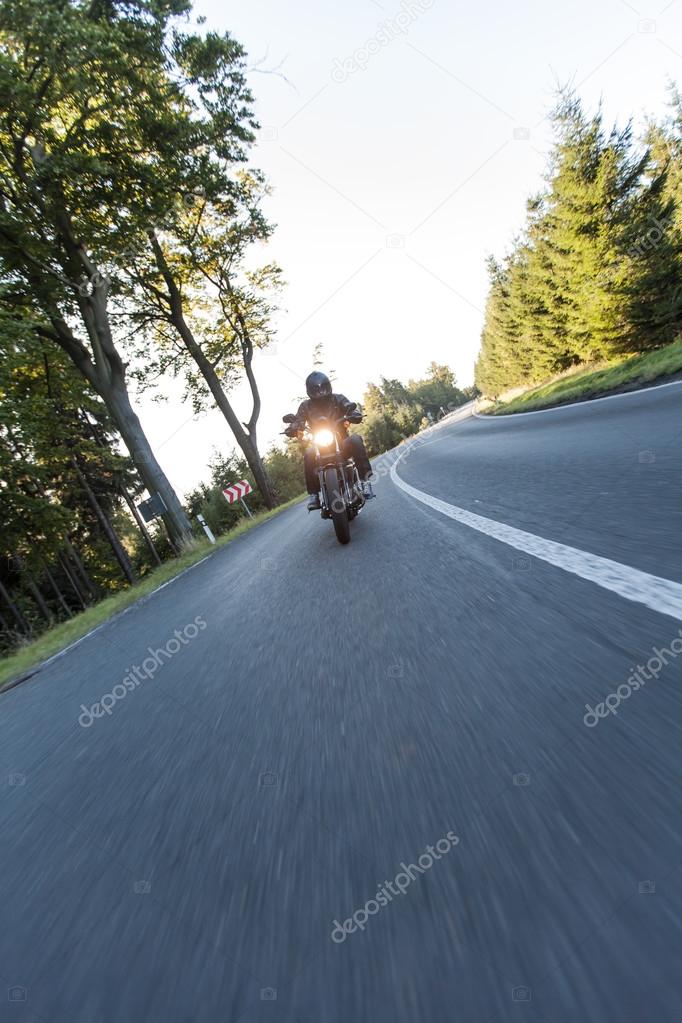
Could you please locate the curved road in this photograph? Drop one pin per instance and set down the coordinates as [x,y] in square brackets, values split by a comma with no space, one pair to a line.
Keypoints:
[325,714]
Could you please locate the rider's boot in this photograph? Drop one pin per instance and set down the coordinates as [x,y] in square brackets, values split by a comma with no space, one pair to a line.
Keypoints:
[314,503]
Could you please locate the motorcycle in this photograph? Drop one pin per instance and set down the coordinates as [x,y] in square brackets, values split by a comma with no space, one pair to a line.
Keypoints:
[342,493]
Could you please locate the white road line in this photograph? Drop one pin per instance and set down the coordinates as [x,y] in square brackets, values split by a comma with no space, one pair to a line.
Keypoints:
[659,594]
[574,404]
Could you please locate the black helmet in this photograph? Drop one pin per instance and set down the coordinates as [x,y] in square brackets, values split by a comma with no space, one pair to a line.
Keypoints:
[318,384]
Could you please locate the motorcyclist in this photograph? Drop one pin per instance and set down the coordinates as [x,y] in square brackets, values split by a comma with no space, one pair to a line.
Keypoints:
[323,404]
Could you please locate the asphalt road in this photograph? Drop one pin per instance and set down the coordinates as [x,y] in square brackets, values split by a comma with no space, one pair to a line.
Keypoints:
[327,713]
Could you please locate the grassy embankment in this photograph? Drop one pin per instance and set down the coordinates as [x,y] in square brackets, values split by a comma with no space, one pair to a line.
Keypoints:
[22,660]
[629,373]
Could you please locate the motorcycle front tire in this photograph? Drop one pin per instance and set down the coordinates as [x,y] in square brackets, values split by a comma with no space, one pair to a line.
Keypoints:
[337,506]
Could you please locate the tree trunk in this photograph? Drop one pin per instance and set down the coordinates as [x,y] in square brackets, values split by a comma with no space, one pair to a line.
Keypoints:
[117,547]
[28,581]
[89,587]
[105,370]
[246,440]
[57,592]
[91,590]
[153,476]
[255,462]
[66,569]
[40,601]
[112,390]
[23,624]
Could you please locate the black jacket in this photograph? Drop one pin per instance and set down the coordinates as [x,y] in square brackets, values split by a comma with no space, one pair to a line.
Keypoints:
[329,406]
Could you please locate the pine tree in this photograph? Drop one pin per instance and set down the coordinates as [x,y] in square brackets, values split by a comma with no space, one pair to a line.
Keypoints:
[595,272]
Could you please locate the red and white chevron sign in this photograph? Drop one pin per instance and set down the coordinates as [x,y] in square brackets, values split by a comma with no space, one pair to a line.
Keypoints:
[237,491]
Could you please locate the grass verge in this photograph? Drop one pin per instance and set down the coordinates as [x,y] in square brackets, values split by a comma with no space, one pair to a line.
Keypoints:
[21,661]
[627,374]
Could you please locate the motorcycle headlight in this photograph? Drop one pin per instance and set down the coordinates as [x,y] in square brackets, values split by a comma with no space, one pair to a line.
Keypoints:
[324,438]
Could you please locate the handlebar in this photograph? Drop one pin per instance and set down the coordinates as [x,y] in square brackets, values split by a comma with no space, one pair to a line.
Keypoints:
[324,421]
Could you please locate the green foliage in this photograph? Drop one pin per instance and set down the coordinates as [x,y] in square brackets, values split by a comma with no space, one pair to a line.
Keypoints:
[625,373]
[594,273]
[284,467]
[395,410]
[121,129]
[56,440]
[125,211]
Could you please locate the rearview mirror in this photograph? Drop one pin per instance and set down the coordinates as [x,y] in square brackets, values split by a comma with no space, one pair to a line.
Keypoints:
[289,418]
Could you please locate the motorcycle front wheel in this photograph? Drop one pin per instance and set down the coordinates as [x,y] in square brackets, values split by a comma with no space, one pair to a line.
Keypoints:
[337,506]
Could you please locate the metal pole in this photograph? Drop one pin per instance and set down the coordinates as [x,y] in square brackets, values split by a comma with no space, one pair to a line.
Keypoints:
[141,526]
[248,510]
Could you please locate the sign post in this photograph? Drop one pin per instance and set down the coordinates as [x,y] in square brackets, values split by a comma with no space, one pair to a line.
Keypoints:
[152,508]
[237,492]
[206,528]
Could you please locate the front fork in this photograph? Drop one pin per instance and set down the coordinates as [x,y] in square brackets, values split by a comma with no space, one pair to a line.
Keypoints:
[354,496]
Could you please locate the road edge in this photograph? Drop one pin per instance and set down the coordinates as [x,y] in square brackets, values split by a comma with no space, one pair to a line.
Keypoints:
[31,670]
[574,404]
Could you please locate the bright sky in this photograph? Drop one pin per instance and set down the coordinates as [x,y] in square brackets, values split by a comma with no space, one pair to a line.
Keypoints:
[401,149]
